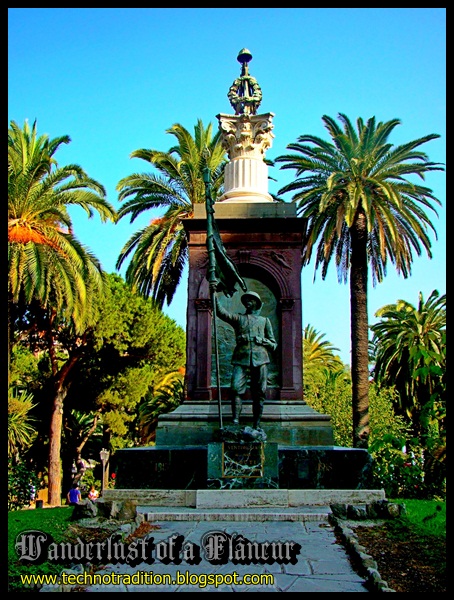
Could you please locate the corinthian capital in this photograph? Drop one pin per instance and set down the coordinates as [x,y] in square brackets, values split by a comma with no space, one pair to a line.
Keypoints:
[246,135]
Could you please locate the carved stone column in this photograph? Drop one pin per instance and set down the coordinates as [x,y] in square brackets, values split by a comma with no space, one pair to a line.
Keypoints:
[246,138]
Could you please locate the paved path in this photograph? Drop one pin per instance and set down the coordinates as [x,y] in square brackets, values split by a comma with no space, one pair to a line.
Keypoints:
[322,565]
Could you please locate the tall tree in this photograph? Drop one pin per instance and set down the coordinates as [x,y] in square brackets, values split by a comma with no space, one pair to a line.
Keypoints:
[46,262]
[109,370]
[362,208]
[158,252]
[164,397]
[410,353]
[47,265]
[129,350]
[319,359]
[317,351]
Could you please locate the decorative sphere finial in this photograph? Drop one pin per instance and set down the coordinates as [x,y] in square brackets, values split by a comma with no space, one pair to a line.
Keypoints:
[244,56]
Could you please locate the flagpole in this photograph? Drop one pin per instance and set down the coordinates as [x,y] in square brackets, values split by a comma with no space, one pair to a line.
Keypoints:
[212,280]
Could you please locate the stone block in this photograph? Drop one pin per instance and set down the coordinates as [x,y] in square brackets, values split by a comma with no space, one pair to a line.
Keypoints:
[324,467]
[333,497]
[86,509]
[242,498]
[166,467]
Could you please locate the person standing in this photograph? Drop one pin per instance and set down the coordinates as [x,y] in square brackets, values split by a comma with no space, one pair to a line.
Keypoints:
[254,338]
[74,496]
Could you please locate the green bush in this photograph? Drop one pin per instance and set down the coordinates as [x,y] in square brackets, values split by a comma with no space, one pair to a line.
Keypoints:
[401,475]
[20,482]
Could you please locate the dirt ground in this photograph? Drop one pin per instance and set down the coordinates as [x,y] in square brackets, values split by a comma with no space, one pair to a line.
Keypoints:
[403,564]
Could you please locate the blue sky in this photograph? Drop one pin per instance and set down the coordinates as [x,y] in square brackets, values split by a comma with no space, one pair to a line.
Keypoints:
[115,79]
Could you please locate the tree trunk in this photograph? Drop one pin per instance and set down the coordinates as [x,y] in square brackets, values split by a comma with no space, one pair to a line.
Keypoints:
[359,332]
[61,387]
[54,466]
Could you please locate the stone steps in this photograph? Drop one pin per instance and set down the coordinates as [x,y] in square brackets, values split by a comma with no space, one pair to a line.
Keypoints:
[245,504]
[304,514]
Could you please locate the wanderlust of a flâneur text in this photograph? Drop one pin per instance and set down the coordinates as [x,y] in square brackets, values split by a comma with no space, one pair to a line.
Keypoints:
[217,548]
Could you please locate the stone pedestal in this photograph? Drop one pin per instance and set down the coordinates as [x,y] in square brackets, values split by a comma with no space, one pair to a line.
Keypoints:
[264,242]
[285,422]
[203,467]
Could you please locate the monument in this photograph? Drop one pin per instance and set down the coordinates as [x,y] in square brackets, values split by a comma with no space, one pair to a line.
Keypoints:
[274,439]
[264,240]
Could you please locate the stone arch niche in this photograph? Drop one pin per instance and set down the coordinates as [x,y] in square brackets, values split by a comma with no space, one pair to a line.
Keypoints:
[270,263]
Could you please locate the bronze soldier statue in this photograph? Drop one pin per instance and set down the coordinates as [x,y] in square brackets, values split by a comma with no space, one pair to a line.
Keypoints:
[254,337]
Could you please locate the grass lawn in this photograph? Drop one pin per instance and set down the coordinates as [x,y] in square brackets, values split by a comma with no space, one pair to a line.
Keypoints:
[428,517]
[54,521]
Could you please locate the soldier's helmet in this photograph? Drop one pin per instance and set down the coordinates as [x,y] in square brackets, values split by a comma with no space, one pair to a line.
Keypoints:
[254,295]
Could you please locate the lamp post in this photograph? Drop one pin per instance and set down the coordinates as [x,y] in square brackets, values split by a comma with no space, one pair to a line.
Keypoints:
[104,454]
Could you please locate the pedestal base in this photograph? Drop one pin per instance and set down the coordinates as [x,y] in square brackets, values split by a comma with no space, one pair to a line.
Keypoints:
[286,422]
[284,467]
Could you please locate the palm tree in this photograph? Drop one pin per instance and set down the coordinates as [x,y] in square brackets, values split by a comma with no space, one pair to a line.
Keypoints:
[47,266]
[21,430]
[410,352]
[316,350]
[159,252]
[166,396]
[45,261]
[319,358]
[361,207]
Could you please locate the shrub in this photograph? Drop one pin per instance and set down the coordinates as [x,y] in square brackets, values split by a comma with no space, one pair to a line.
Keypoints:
[20,482]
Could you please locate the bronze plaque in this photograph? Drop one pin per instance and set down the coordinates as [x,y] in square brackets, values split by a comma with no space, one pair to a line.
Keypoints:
[242,460]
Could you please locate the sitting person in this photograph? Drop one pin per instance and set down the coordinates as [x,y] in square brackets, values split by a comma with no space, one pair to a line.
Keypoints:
[93,493]
[74,496]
